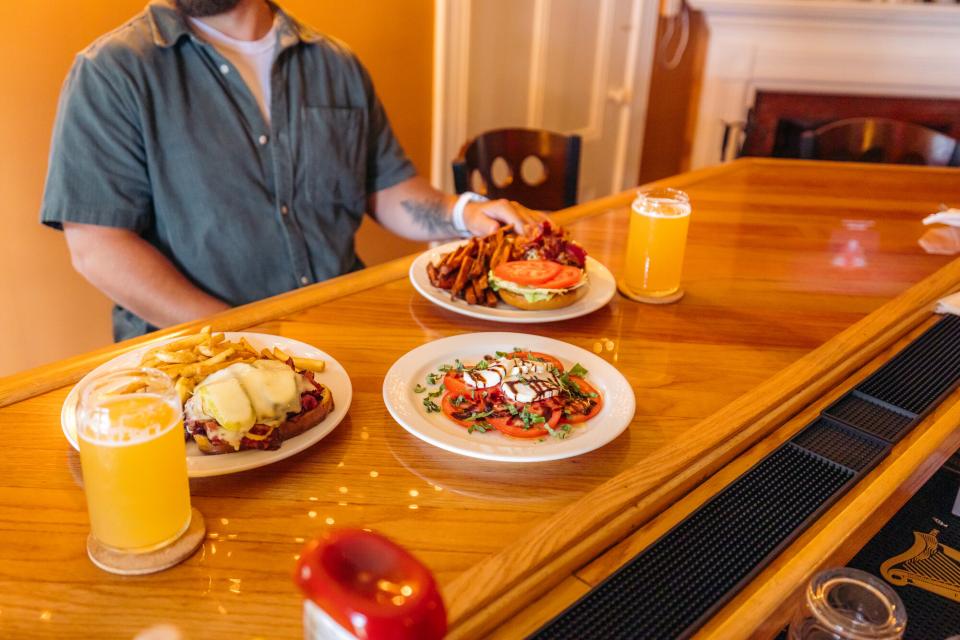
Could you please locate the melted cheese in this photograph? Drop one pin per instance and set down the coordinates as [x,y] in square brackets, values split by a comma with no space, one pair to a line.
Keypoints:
[242,395]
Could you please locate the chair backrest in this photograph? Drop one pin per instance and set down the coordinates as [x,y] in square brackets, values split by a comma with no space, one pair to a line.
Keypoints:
[879,140]
[538,169]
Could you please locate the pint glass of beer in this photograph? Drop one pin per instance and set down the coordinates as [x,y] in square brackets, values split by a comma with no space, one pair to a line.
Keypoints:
[658,236]
[130,429]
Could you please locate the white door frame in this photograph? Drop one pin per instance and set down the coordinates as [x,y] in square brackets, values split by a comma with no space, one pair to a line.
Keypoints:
[451,63]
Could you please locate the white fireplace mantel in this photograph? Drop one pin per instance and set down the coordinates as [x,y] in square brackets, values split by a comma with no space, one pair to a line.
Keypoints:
[820,46]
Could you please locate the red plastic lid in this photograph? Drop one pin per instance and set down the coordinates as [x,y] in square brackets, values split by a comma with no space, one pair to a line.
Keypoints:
[371,586]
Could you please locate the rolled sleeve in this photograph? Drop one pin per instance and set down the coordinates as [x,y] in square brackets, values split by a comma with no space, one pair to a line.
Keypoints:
[387,163]
[97,172]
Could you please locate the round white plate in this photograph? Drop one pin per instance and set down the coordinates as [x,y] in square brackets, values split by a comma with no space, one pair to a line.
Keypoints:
[407,408]
[200,465]
[601,286]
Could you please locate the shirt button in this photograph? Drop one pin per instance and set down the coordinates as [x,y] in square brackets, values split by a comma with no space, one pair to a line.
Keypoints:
[224,69]
[262,140]
[304,280]
[284,210]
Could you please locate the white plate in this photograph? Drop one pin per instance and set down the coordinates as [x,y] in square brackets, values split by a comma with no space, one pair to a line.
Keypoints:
[601,286]
[200,465]
[406,407]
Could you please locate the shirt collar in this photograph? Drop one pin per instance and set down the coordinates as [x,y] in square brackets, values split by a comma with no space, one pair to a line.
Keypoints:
[169,26]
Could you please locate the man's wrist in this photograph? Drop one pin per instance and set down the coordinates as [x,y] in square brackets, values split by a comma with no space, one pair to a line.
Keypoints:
[457,218]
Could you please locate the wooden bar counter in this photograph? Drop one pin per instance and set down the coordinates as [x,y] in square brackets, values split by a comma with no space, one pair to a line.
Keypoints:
[798,277]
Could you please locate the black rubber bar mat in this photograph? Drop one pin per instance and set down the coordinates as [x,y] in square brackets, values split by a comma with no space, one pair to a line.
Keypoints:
[673,586]
[670,588]
[920,376]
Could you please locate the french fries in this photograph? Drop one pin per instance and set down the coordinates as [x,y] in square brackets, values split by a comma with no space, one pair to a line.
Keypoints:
[463,271]
[190,359]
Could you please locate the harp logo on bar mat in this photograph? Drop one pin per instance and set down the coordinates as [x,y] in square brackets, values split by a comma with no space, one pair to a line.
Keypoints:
[929,565]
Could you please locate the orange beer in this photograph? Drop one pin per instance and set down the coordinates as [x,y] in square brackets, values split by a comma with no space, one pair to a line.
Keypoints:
[658,236]
[133,457]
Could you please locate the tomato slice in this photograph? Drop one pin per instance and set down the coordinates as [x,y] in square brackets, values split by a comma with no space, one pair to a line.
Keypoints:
[528,355]
[455,384]
[576,410]
[527,272]
[459,412]
[512,425]
[567,277]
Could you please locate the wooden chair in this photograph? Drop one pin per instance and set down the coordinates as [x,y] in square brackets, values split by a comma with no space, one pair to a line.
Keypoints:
[880,140]
[538,169]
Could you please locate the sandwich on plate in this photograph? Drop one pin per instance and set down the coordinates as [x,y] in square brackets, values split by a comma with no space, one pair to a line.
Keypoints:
[538,285]
[254,405]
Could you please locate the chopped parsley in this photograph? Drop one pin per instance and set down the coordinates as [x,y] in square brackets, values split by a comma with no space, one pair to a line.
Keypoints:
[530,419]
[561,432]
[482,427]
[512,408]
[572,388]
[430,406]
[435,394]
[444,368]
[474,415]
[419,388]
[432,378]
[457,401]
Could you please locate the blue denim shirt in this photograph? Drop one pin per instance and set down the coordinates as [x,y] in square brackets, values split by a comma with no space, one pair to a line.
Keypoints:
[157,132]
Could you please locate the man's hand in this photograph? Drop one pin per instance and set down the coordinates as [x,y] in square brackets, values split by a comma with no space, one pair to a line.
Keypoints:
[415,210]
[482,218]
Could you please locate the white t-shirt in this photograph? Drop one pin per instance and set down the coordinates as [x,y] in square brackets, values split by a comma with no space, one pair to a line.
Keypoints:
[252,58]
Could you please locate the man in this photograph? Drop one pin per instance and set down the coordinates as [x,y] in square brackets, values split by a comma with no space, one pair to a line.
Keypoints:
[210,153]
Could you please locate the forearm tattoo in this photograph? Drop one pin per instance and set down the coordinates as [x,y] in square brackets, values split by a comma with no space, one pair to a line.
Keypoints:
[430,214]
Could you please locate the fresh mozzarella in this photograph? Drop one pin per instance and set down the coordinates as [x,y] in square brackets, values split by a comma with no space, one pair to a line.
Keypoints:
[521,367]
[531,388]
[484,378]
[495,372]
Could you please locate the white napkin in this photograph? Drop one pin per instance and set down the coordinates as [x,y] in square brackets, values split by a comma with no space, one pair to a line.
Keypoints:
[942,240]
[949,304]
[945,216]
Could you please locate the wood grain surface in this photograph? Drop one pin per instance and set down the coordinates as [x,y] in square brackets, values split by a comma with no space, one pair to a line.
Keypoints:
[783,256]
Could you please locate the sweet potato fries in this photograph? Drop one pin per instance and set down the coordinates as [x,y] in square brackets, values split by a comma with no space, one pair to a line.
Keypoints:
[463,272]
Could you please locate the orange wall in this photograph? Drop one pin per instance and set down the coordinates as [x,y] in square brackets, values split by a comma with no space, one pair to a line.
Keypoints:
[47,311]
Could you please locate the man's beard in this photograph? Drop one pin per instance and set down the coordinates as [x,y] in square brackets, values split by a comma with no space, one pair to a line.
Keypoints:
[202,8]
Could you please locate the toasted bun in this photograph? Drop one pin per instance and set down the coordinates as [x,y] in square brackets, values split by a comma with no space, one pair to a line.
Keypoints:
[294,426]
[308,419]
[557,301]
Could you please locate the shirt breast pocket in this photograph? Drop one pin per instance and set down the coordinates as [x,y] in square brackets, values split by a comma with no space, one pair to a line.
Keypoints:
[335,141]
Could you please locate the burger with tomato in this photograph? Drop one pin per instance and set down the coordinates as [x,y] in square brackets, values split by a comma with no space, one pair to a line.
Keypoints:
[548,271]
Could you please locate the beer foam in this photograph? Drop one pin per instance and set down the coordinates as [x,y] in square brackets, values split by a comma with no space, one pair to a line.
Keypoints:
[683,210]
[123,427]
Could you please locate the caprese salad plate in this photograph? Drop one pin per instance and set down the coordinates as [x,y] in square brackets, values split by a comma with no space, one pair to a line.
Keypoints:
[509,397]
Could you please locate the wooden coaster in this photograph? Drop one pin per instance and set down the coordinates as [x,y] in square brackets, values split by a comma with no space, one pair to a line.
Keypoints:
[673,297]
[136,564]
